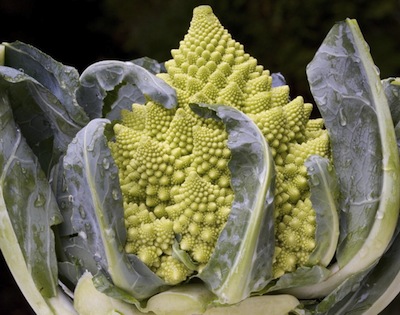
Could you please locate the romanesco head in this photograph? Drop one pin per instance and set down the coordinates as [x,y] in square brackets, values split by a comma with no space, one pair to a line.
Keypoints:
[175,183]
[173,165]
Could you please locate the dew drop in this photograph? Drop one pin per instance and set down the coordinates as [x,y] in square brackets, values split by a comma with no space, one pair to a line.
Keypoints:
[363,252]
[345,208]
[97,257]
[64,186]
[82,212]
[366,45]
[39,201]
[378,86]
[115,194]
[314,180]
[379,215]
[347,163]
[90,147]
[377,71]
[82,234]
[67,167]
[70,198]
[342,118]
[63,85]
[106,164]
[110,234]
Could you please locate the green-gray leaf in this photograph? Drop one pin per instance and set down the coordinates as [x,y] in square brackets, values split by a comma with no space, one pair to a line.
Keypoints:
[392,92]
[324,193]
[302,276]
[62,81]
[351,99]
[153,66]
[43,120]
[95,198]
[348,106]
[381,285]
[242,260]
[29,204]
[109,86]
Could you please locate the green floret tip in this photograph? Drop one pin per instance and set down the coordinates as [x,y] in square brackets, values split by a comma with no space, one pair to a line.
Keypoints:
[173,164]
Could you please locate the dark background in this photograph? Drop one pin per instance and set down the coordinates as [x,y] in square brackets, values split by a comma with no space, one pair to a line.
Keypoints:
[283,35]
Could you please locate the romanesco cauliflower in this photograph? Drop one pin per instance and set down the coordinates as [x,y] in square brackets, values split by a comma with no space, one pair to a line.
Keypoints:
[173,165]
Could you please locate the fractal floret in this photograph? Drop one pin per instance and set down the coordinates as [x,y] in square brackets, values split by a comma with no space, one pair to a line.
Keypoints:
[173,164]
[176,184]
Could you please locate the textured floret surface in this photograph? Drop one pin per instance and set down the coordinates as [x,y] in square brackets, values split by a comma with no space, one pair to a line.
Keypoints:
[173,164]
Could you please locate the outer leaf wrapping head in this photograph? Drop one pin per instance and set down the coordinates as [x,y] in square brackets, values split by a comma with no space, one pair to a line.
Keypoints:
[211,67]
[241,262]
[349,93]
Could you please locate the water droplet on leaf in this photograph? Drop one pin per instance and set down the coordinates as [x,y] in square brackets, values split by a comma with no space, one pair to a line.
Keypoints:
[377,71]
[342,118]
[110,234]
[82,234]
[314,180]
[106,163]
[97,257]
[82,212]
[379,215]
[90,147]
[39,201]
[115,194]
[378,86]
